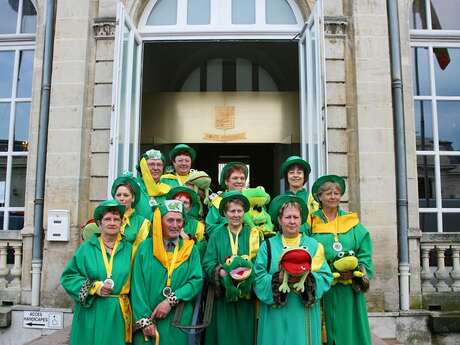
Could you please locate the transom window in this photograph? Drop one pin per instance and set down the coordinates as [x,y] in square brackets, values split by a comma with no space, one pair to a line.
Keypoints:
[205,16]
[435,41]
[17,47]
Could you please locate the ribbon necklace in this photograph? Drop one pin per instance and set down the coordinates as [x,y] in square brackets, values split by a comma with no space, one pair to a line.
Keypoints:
[108,264]
[170,269]
[234,243]
[337,246]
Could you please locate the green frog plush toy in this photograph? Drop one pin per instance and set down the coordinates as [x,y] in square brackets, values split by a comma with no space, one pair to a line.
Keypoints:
[239,278]
[346,270]
[257,216]
[294,262]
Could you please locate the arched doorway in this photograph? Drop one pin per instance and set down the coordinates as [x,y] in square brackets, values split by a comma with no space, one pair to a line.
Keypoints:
[229,77]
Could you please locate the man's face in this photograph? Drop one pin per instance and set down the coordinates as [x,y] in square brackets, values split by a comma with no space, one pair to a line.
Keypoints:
[156,168]
[172,223]
[182,164]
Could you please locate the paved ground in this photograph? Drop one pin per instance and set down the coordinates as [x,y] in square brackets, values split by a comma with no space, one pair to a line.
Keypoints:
[62,338]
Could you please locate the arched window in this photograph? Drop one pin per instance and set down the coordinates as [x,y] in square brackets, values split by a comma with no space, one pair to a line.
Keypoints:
[17,46]
[435,44]
[188,17]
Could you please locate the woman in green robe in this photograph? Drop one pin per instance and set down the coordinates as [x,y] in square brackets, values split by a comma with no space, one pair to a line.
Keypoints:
[290,317]
[295,171]
[166,271]
[348,250]
[97,278]
[193,228]
[232,177]
[134,226]
[232,322]
[181,157]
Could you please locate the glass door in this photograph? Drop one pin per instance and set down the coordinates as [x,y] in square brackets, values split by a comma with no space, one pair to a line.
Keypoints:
[124,136]
[312,93]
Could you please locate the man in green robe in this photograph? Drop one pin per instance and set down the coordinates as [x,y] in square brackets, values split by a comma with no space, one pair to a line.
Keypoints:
[232,322]
[345,308]
[182,156]
[166,272]
[153,191]
[100,318]
[291,318]
[193,228]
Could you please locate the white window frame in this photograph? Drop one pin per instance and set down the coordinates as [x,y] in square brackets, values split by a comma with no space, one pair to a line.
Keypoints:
[313,105]
[16,43]
[122,20]
[430,39]
[220,26]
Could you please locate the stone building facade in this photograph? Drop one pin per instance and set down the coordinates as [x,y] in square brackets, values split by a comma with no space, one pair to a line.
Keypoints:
[352,108]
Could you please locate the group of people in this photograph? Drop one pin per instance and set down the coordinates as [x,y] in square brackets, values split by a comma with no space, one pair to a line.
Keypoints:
[163,237]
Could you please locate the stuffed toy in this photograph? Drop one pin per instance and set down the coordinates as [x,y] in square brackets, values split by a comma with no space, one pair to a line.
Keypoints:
[294,262]
[257,216]
[347,263]
[200,182]
[239,278]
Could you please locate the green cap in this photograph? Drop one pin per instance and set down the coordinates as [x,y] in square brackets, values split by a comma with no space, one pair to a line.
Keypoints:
[327,178]
[278,202]
[150,154]
[182,148]
[106,204]
[171,206]
[225,170]
[295,160]
[230,196]
[195,203]
[127,178]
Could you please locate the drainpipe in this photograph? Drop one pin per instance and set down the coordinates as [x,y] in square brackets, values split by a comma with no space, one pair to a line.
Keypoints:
[400,153]
[41,151]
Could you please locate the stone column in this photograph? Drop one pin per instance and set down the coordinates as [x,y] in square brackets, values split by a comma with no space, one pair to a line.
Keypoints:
[3,267]
[455,273]
[441,273]
[16,270]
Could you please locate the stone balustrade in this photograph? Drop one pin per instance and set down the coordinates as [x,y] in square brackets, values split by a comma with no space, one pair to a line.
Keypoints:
[10,268]
[440,260]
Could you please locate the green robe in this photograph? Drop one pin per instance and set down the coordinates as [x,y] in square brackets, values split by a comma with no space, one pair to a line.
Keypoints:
[148,280]
[144,207]
[345,310]
[171,179]
[190,228]
[213,219]
[136,222]
[96,320]
[232,323]
[292,323]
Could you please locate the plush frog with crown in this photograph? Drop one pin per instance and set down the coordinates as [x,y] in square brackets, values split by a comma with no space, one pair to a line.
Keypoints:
[239,278]
[257,216]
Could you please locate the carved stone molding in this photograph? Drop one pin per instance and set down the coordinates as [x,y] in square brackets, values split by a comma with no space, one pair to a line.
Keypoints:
[335,26]
[104,28]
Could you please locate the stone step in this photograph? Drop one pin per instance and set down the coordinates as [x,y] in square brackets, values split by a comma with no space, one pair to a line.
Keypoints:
[379,341]
[60,337]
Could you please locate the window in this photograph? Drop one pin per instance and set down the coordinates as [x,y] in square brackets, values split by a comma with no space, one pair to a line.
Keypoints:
[17,45]
[436,67]
[196,17]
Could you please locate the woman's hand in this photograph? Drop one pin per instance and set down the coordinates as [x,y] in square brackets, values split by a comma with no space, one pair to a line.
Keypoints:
[161,310]
[222,273]
[149,331]
[106,290]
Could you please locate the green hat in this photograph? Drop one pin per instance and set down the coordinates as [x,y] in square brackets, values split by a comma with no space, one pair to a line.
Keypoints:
[127,178]
[295,160]
[280,200]
[232,195]
[106,204]
[182,148]
[327,178]
[195,203]
[225,170]
[171,206]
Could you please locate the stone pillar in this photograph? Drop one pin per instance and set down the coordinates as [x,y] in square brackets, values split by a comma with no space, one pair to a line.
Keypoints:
[426,273]
[16,270]
[441,273]
[67,170]
[371,157]
[455,273]
[3,267]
